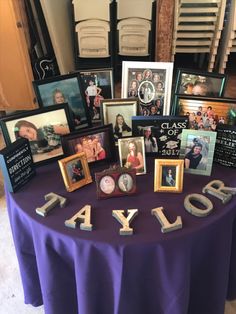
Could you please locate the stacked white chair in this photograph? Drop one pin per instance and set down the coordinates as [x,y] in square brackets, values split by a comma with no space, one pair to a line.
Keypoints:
[228,42]
[197,28]
[93,27]
[134,26]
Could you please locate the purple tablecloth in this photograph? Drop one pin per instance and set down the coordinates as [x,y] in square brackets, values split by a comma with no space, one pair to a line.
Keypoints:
[192,270]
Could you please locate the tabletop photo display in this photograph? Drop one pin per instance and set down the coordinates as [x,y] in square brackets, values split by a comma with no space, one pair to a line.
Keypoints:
[97,84]
[119,112]
[168,175]
[97,143]
[43,128]
[205,113]
[64,89]
[225,148]
[132,153]
[197,150]
[162,134]
[151,82]
[75,171]
[200,83]
[113,182]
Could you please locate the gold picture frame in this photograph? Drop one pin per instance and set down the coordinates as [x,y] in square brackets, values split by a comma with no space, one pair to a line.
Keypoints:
[75,171]
[168,175]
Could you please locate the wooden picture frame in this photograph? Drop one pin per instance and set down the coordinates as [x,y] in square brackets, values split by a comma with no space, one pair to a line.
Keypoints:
[168,175]
[205,113]
[197,150]
[162,134]
[200,83]
[132,154]
[97,143]
[225,147]
[119,113]
[114,182]
[43,128]
[75,171]
[151,82]
[104,80]
[64,89]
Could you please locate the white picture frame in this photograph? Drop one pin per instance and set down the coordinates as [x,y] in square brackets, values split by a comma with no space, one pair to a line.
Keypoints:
[150,82]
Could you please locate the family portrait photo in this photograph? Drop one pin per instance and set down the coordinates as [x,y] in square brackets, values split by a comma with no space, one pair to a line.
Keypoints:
[97,85]
[64,89]
[150,82]
[42,127]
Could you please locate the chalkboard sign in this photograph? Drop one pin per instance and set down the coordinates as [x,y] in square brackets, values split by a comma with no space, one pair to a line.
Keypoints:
[17,164]
[225,147]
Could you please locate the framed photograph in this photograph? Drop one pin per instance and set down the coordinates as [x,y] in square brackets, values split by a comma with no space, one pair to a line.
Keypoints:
[225,148]
[162,134]
[168,175]
[119,112]
[64,89]
[200,83]
[75,171]
[42,127]
[197,150]
[151,83]
[97,84]
[206,113]
[97,143]
[113,182]
[132,154]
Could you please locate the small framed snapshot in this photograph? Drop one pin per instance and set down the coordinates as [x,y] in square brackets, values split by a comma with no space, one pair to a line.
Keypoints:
[113,182]
[197,150]
[64,89]
[162,134]
[225,148]
[151,83]
[168,175]
[97,84]
[17,165]
[132,154]
[75,171]
[42,127]
[200,83]
[206,113]
[118,112]
[97,143]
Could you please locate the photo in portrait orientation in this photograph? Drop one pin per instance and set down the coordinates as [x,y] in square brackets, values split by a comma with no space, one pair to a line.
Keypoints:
[102,83]
[162,135]
[197,150]
[97,143]
[75,171]
[64,89]
[205,113]
[119,112]
[42,127]
[168,175]
[200,83]
[132,153]
[151,83]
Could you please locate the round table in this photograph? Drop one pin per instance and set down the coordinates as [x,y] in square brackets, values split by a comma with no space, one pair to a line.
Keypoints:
[187,271]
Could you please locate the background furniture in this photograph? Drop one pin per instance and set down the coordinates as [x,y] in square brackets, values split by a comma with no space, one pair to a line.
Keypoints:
[191,270]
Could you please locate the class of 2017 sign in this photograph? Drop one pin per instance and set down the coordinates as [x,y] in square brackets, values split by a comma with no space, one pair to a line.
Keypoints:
[162,134]
[17,164]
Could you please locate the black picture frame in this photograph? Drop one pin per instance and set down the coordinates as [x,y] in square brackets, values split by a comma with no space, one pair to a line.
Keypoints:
[64,89]
[221,111]
[104,80]
[225,147]
[87,141]
[45,145]
[199,83]
[162,134]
